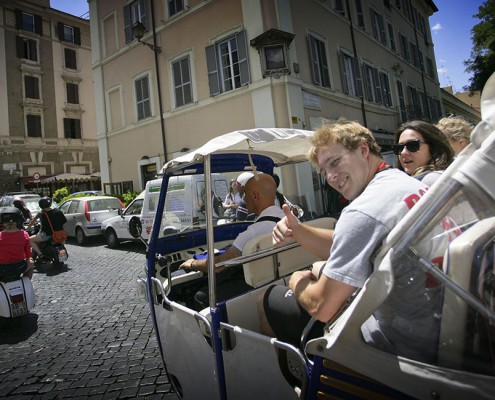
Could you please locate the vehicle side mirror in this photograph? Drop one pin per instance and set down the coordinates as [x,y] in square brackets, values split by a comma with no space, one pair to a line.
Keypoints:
[135,227]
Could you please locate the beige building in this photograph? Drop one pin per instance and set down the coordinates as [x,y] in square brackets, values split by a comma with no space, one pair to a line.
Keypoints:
[462,104]
[207,67]
[47,98]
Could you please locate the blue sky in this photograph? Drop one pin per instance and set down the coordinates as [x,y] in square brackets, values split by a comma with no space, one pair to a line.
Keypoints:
[451,31]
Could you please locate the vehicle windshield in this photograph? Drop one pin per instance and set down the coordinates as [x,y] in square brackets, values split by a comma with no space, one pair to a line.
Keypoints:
[444,287]
[185,203]
[110,203]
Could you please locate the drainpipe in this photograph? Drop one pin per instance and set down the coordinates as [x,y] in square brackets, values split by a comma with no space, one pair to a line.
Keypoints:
[160,104]
[354,49]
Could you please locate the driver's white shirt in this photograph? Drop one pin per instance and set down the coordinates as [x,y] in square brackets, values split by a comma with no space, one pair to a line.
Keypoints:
[258,228]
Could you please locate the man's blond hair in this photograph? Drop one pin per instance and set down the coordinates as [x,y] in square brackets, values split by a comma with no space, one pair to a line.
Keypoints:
[349,134]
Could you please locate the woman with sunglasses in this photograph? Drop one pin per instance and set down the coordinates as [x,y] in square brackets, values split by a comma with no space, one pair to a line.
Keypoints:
[423,150]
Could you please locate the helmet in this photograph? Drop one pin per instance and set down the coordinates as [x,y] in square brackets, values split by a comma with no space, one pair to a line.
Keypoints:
[45,202]
[11,214]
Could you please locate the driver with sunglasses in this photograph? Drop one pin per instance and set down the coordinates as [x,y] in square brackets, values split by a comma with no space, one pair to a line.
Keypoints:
[423,151]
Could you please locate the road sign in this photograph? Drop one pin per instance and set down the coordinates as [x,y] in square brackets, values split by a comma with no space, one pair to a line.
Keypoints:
[36,177]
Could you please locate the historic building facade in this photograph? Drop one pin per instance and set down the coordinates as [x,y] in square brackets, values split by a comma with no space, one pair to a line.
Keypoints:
[170,75]
[48,113]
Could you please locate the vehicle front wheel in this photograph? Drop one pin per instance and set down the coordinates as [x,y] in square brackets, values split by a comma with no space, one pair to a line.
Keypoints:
[112,239]
[80,236]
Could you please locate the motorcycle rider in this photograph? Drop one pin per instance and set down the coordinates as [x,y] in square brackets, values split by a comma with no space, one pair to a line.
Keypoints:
[14,242]
[20,205]
[57,219]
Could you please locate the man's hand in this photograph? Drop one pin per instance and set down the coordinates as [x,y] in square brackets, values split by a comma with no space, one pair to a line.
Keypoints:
[187,264]
[301,278]
[283,231]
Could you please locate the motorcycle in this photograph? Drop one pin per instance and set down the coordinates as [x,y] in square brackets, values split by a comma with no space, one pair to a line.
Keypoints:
[17,296]
[52,254]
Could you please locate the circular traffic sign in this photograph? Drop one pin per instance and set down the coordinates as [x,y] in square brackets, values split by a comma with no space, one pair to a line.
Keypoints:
[36,176]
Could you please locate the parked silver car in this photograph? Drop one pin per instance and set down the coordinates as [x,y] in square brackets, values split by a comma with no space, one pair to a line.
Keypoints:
[85,215]
[29,199]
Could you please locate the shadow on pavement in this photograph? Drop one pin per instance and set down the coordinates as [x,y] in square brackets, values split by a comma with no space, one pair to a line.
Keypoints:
[19,329]
[136,247]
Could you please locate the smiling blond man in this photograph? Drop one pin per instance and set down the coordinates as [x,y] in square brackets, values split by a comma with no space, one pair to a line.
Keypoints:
[347,155]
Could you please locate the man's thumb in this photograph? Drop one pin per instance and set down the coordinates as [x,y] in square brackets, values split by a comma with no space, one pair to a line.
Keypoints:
[287,211]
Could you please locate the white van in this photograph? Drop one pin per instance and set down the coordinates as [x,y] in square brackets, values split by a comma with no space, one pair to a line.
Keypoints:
[183,208]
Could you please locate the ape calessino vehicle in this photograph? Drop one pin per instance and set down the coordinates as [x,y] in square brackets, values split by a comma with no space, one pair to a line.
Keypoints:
[448,236]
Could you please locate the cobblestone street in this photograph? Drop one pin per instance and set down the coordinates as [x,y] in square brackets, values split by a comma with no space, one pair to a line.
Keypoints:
[89,336]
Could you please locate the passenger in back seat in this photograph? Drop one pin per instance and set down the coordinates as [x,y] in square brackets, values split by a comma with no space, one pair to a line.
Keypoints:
[260,199]
[348,156]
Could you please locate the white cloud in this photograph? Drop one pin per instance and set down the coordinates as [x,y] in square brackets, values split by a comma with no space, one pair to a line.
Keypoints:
[436,27]
[442,70]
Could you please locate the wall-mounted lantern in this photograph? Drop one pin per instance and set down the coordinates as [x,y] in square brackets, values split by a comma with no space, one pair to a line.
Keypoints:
[272,47]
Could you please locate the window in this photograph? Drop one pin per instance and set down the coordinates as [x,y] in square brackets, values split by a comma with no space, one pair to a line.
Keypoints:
[143,101]
[33,125]
[319,63]
[391,36]
[402,102]
[351,75]
[227,64]
[338,6]
[359,14]
[31,87]
[27,48]
[386,93]
[429,66]
[378,26]
[72,128]
[182,81]
[373,90]
[414,101]
[70,59]
[72,93]
[175,6]
[404,47]
[415,55]
[134,12]
[28,22]
[68,33]
[423,104]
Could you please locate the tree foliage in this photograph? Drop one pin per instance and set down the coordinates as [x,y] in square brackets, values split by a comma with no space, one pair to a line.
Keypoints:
[482,59]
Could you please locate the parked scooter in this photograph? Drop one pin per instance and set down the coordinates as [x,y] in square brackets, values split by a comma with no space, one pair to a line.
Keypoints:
[16,291]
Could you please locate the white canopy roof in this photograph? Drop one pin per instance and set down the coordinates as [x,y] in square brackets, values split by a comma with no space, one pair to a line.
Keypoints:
[282,145]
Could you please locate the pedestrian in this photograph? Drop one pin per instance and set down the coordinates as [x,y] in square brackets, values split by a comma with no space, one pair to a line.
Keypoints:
[232,200]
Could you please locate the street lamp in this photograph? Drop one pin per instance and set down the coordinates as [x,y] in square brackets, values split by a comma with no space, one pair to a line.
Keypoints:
[138,30]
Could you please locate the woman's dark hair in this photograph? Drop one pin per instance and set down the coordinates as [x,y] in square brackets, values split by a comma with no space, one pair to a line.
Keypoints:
[440,151]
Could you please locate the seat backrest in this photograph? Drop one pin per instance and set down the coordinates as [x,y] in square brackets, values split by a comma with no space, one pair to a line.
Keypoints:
[269,268]
[463,262]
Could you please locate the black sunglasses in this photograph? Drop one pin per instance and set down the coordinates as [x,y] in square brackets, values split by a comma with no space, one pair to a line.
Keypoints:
[412,146]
